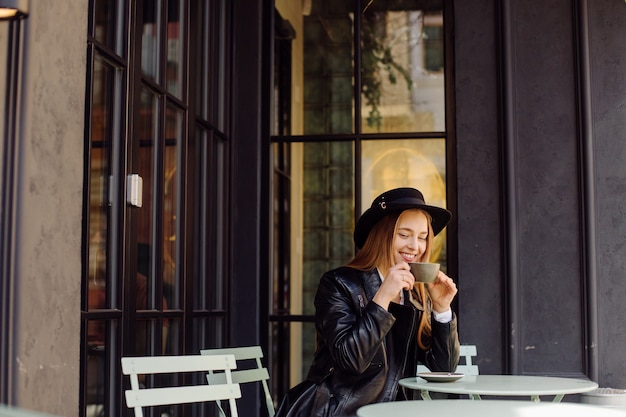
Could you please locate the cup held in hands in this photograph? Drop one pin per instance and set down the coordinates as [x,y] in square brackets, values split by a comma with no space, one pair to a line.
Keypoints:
[424,271]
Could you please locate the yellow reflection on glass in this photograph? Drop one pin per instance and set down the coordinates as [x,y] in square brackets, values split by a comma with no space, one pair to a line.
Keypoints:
[417,163]
[403,79]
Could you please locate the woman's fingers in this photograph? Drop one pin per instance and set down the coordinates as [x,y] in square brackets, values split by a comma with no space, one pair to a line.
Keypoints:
[443,290]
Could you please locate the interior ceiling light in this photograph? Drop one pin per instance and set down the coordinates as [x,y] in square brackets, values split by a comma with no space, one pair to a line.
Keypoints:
[13,9]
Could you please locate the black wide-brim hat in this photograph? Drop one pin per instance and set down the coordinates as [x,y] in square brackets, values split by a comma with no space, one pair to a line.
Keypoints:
[398,199]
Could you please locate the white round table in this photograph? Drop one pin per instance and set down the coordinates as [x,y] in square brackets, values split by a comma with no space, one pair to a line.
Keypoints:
[503,385]
[485,408]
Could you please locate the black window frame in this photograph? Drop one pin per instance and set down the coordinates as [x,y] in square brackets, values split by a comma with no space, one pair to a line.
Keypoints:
[196,197]
[280,141]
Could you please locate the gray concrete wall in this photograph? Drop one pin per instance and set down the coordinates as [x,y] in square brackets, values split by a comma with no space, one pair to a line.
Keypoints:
[49,208]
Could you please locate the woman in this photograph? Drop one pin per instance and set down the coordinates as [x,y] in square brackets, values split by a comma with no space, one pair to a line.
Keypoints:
[373,321]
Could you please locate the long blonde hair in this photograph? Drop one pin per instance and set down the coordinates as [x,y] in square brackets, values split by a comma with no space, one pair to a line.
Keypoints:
[377,252]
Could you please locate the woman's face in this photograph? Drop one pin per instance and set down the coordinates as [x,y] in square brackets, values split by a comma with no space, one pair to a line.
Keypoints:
[409,242]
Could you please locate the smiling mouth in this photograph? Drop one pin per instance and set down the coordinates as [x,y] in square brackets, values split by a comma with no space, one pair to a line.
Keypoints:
[408,256]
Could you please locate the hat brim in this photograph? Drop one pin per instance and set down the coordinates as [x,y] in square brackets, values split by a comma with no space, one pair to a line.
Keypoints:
[440,218]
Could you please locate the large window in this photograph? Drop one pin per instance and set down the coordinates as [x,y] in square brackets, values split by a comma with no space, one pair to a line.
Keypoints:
[155,272]
[369,89]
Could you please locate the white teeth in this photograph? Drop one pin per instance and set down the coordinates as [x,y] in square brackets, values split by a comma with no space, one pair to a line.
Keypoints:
[408,256]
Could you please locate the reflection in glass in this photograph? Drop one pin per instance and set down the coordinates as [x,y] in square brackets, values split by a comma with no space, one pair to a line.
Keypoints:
[402,78]
[282,238]
[328,68]
[100,352]
[201,60]
[418,163]
[175,35]
[151,336]
[170,329]
[328,210]
[210,197]
[150,39]
[210,55]
[327,197]
[106,28]
[217,219]
[146,169]
[294,345]
[95,369]
[99,176]
[208,332]
[201,260]
[173,136]
[402,67]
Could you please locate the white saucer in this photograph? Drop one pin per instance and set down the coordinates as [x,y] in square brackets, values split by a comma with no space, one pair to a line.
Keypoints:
[440,376]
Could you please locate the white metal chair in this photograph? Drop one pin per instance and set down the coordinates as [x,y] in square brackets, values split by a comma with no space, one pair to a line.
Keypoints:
[138,397]
[258,373]
[467,368]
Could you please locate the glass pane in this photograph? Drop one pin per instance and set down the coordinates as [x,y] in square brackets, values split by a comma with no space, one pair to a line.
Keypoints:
[203,59]
[418,163]
[328,68]
[146,169]
[95,369]
[171,337]
[173,136]
[293,349]
[326,201]
[208,332]
[328,210]
[100,354]
[283,217]
[151,336]
[99,182]
[150,40]
[219,62]
[210,243]
[175,36]
[210,55]
[402,67]
[107,28]
[201,260]
[217,239]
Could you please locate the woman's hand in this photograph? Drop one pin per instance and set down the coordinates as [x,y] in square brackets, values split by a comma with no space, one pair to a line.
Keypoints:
[398,278]
[442,292]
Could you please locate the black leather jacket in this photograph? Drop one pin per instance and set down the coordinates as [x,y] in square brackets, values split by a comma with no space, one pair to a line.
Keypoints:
[364,350]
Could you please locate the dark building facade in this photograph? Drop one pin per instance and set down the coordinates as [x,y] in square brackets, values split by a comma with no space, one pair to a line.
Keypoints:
[178,174]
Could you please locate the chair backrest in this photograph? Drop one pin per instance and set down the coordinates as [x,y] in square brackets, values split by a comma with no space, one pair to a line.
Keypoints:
[467,368]
[245,356]
[138,397]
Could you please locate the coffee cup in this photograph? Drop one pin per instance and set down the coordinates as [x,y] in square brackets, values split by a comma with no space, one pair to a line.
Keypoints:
[424,271]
